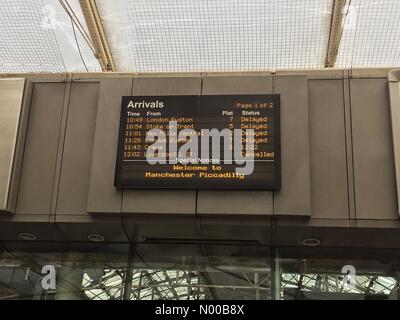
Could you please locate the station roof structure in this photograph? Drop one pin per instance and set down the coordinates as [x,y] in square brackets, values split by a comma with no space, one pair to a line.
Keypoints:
[197,36]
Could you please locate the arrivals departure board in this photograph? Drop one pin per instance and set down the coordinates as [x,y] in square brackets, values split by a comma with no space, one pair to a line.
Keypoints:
[207,141]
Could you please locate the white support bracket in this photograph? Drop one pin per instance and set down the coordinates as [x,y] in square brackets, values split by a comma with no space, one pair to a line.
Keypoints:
[335,32]
[97,34]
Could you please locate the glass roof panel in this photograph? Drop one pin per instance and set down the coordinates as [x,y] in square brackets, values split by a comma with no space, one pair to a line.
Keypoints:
[209,35]
[371,35]
[37,36]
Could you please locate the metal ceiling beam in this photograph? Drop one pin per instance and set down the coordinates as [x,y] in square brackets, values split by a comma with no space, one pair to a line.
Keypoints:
[97,34]
[335,32]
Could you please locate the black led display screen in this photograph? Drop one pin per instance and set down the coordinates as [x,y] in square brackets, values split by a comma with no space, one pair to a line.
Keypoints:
[207,141]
